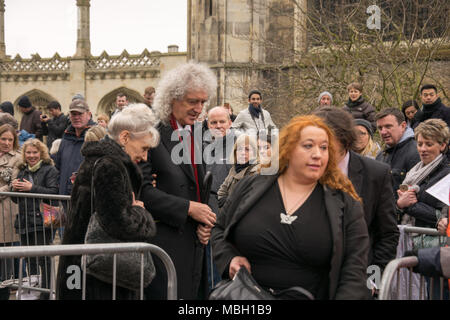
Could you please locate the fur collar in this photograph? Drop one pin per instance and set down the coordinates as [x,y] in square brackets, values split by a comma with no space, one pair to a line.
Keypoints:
[92,150]
[23,165]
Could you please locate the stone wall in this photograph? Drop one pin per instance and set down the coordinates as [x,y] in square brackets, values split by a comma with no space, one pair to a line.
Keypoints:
[95,78]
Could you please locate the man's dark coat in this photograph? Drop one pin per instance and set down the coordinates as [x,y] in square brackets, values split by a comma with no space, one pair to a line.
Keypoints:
[169,204]
[372,182]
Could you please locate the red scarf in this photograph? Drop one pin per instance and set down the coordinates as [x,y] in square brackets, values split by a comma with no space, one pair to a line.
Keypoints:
[174,126]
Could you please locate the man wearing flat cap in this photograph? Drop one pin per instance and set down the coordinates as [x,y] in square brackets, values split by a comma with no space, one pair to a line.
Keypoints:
[31,119]
[69,158]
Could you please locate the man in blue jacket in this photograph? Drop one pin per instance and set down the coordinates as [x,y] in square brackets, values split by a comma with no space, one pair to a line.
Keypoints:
[69,158]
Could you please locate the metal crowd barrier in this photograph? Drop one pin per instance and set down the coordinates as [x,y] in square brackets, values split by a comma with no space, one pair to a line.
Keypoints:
[393,268]
[87,249]
[39,245]
[412,231]
[390,289]
[9,210]
[23,223]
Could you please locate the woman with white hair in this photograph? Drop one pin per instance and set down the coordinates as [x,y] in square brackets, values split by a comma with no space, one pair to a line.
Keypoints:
[112,164]
[184,222]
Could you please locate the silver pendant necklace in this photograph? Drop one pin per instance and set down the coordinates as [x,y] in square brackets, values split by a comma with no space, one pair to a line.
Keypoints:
[288,218]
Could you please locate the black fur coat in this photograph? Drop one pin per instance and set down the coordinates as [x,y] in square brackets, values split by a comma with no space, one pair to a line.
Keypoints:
[116,177]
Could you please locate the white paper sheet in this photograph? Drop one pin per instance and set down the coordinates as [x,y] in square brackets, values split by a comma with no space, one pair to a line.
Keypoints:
[441,190]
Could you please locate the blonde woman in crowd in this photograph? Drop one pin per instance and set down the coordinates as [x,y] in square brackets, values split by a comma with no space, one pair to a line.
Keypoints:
[245,161]
[37,175]
[364,144]
[103,120]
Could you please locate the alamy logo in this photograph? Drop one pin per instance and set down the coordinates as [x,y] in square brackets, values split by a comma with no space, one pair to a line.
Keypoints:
[374,279]
[74,280]
[374,21]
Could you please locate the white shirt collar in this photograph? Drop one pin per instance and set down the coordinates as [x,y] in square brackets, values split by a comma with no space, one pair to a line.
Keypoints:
[343,165]
[180,127]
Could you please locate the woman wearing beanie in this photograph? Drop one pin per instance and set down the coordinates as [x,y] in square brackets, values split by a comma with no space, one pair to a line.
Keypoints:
[325,99]
[365,145]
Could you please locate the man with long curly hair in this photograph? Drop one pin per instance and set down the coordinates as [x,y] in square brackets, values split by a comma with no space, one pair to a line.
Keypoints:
[184,223]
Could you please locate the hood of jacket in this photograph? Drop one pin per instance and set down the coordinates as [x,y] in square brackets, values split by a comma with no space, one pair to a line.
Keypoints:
[23,165]
[409,133]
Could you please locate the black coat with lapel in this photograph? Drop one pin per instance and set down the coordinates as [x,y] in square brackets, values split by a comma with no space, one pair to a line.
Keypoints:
[347,277]
[372,182]
[169,202]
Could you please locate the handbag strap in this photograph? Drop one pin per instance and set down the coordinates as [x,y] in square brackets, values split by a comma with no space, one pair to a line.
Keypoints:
[92,186]
[296,289]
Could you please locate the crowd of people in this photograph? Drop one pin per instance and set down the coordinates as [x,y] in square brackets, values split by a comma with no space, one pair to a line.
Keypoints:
[312,204]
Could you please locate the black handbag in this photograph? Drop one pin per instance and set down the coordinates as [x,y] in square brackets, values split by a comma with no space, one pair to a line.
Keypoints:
[244,287]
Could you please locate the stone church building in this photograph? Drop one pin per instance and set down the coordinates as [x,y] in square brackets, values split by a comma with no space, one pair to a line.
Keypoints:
[231,36]
[222,34]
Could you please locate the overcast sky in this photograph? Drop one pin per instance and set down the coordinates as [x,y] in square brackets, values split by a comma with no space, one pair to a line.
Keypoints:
[49,26]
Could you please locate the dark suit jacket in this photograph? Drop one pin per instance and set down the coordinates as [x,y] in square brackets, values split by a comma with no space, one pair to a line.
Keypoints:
[169,204]
[372,182]
[347,277]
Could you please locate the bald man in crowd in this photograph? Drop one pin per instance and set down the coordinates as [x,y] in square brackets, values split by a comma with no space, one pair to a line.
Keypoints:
[219,141]
[219,145]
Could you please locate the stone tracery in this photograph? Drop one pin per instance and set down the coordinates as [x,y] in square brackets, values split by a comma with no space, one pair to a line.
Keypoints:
[92,76]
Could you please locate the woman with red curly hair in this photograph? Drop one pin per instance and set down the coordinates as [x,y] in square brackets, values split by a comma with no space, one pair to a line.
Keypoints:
[301,227]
